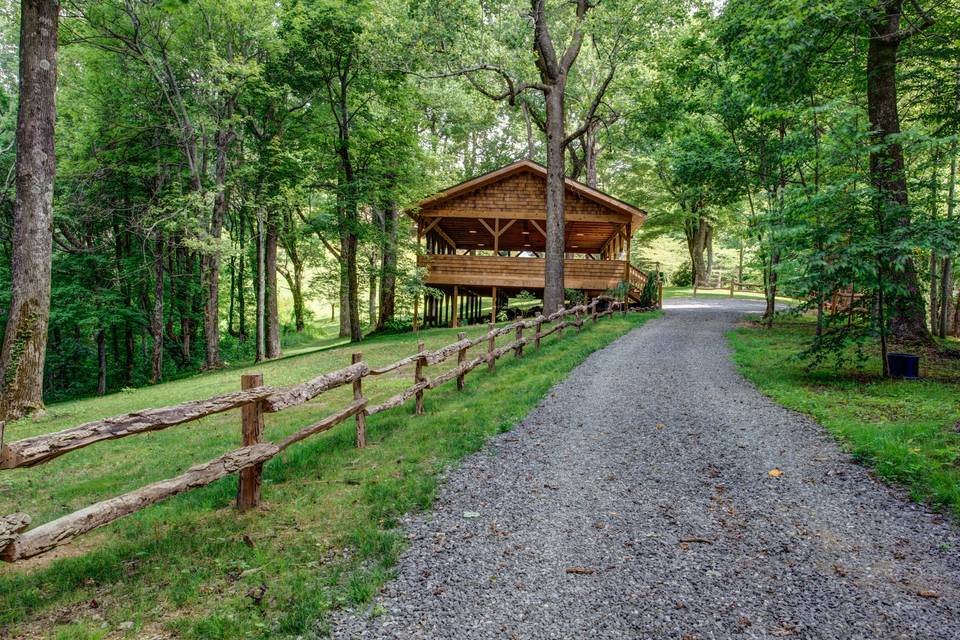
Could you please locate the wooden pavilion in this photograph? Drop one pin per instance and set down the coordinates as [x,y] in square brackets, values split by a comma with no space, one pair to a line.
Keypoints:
[485,238]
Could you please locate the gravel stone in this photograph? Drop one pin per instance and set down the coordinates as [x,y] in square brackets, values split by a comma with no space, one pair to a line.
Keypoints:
[636,502]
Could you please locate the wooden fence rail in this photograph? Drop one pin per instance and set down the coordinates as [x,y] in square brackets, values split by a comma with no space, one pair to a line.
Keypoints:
[255,399]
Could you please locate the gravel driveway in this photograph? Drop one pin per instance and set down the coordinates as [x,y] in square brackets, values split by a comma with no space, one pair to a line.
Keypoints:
[635,502]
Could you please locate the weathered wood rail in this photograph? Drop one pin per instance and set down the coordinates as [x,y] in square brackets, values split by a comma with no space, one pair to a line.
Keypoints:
[255,399]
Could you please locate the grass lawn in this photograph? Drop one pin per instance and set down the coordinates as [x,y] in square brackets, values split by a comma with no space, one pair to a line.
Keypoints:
[687,292]
[192,567]
[908,432]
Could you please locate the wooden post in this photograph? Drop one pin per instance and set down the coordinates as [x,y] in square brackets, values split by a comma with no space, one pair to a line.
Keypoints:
[659,288]
[578,320]
[536,337]
[357,395]
[593,314]
[493,306]
[491,345]
[518,352]
[461,358]
[731,287]
[418,377]
[251,416]
[455,308]
[561,319]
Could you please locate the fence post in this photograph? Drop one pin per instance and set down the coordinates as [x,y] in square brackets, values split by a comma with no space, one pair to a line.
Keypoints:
[536,337]
[418,377]
[562,319]
[731,287]
[518,352]
[491,345]
[578,319]
[251,416]
[461,358]
[357,395]
[594,304]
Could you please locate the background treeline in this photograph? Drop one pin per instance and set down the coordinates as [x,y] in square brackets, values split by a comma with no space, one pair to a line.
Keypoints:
[822,137]
[211,153]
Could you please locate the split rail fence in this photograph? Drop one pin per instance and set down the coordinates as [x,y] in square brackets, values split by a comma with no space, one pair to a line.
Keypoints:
[254,400]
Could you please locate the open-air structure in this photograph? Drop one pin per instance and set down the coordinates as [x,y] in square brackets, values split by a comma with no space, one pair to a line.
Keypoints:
[485,238]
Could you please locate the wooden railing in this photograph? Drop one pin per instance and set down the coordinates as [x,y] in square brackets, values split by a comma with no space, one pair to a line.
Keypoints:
[637,278]
[502,271]
[254,399]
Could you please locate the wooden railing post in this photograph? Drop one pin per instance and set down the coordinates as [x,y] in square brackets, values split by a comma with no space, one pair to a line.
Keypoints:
[251,416]
[358,395]
[461,358]
[491,345]
[418,377]
[594,304]
[577,318]
[536,337]
[518,352]
[731,287]
[562,318]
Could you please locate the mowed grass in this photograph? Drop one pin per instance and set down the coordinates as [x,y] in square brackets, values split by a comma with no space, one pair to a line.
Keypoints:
[192,567]
[687,292]
[908,432]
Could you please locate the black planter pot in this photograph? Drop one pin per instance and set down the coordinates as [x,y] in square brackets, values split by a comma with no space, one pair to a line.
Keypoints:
[905,366]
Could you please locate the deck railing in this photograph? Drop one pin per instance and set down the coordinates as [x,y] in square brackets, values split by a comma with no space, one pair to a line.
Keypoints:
[254,399]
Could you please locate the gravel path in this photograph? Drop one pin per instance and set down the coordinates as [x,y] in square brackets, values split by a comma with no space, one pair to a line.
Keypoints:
[584,509]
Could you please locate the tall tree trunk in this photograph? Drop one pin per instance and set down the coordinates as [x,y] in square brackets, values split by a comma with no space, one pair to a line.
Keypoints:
[25,335]
[101,362]
[211,261]
[272,346]
[708,245]
[372,290]
[553,286]
[388,267]
[241,286]
[344,292]
[294,280]
[349,286]
[697,235]
[934,294]
[946,272]
[887,169]
[261,290]
[771,289]
[233,296]
[156,317]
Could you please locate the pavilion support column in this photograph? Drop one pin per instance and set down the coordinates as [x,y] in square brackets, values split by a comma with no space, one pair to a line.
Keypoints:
[493,306]
[455,306]
[416,312]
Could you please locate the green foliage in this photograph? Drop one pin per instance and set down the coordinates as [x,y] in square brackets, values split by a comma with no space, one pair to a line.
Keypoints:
[683,276]
[648,297]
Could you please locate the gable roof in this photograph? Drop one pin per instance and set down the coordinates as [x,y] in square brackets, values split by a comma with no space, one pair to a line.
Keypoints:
[528,166]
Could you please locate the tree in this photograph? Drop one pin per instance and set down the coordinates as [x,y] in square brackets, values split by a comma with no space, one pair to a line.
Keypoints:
[553,69]
[887,165]
[25,334]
